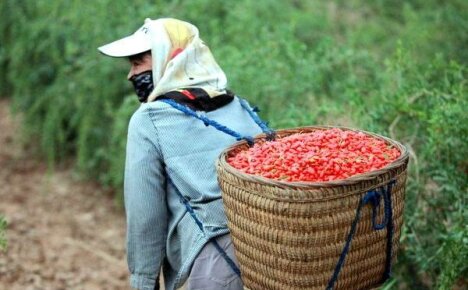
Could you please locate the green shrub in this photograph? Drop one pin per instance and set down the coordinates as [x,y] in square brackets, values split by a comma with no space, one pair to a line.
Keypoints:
[114,155]
[391,67]
[3,241]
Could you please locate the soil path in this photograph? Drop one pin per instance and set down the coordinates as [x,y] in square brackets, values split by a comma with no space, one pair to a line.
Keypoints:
[62,234]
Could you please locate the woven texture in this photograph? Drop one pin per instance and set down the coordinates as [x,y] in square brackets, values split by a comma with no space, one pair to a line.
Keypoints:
[289,235]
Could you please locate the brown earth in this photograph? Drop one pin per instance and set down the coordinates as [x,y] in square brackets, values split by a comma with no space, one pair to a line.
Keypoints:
[62,233]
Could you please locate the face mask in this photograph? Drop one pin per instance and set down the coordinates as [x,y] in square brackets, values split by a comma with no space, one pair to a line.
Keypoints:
[143,84]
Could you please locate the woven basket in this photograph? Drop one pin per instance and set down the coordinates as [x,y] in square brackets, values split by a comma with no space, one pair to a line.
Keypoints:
[291,235]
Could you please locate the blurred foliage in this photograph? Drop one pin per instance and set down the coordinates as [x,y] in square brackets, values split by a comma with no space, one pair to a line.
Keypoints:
[3,241]
[392,67]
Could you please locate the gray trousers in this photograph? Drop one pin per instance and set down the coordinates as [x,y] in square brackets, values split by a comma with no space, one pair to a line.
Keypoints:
[210,270]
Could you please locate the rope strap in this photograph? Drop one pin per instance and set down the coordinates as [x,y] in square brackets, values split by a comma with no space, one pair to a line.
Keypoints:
[226,258]
[372,197]
[200,226]
[250,141]
[270,134]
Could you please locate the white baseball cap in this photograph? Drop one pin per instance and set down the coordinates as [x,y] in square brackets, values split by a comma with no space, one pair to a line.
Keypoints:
[133,44]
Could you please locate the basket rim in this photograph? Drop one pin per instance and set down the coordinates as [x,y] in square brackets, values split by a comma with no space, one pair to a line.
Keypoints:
[402,159]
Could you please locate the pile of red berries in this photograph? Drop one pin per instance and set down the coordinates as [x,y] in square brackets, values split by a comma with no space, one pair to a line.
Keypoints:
[321,155]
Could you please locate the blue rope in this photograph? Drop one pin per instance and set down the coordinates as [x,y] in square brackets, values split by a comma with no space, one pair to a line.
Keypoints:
[250,141]
[227,258]
[207,121]
[270,134]
[200,226]
[373,197]
[390,229]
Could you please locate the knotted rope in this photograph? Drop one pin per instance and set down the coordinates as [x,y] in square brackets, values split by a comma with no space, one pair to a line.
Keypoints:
[270,134]
[373,197]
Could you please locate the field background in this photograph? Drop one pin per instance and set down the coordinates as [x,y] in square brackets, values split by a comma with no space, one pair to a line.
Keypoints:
[397,68]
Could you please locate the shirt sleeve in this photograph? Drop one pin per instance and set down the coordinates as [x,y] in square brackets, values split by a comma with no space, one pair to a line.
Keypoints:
[145,202]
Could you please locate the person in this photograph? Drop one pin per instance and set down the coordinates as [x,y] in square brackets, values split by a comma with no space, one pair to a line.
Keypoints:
[173,203]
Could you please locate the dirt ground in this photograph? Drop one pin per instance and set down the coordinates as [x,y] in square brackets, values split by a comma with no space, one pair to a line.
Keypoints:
[62,234]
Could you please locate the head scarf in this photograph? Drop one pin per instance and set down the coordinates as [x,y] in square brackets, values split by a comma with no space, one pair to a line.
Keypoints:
[181,59]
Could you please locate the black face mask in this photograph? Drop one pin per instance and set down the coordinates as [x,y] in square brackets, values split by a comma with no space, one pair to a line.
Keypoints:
[143,84]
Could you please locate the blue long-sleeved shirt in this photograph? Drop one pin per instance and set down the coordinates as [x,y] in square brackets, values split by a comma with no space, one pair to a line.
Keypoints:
[163,141]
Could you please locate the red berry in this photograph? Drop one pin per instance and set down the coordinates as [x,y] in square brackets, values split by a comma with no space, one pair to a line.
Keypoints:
[322,155]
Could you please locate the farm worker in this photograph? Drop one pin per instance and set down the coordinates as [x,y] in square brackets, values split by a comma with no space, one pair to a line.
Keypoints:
[175,216]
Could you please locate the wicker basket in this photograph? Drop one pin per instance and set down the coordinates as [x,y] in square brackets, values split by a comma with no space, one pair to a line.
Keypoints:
[291,235]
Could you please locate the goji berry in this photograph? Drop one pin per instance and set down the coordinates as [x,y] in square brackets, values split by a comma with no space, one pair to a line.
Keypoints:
[321,155]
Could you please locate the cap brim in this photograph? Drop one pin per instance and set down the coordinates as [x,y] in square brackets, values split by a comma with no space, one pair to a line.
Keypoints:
[127,46]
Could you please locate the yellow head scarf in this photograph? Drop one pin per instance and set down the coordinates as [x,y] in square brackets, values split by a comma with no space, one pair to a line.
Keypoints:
[181,59]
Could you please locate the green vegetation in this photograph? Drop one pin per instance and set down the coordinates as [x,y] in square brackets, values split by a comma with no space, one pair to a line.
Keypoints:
[397,68]
[3,241]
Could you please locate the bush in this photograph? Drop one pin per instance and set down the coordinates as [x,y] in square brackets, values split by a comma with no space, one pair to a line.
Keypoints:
[393,68]
[3,241]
